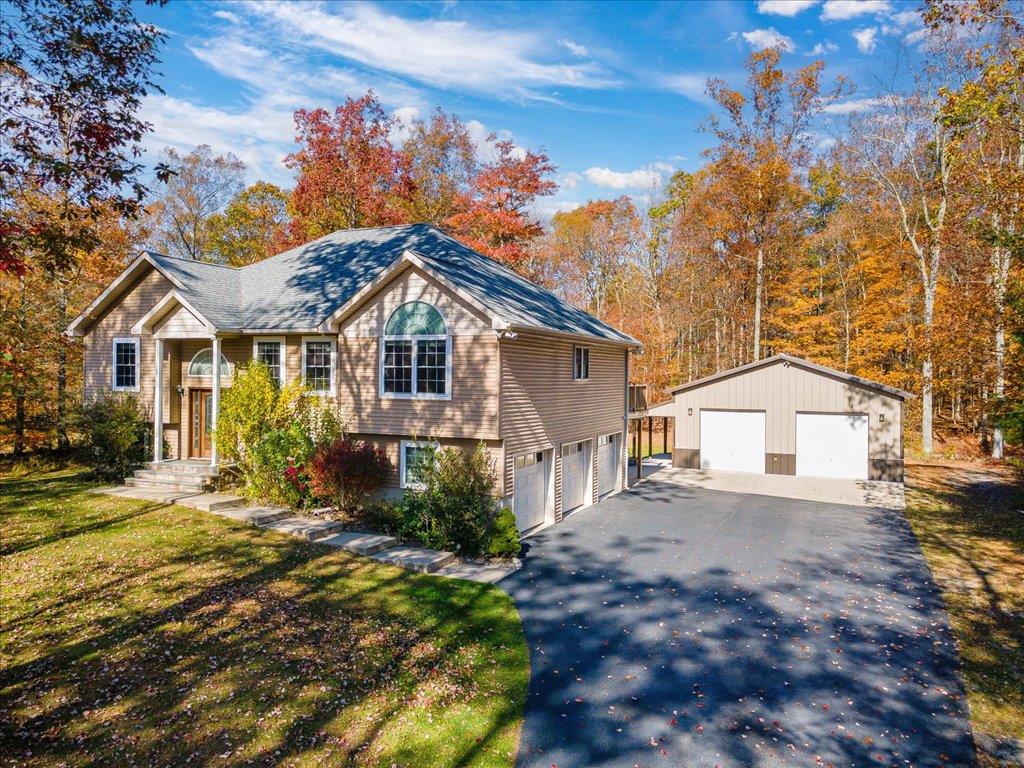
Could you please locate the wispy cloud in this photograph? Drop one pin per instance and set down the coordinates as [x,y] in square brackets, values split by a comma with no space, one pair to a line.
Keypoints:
[573,47]
[865,38]
[759,39]
[820,49]
[437,52]
[692,86]
[642,178]
[788,8]
[853,106]
[840,10]
[226,16]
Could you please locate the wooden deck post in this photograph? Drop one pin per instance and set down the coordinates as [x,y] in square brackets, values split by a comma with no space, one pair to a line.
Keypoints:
[650,435]
[664,434]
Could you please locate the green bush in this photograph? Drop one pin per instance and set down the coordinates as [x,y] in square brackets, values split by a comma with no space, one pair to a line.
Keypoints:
[117,435]
[503,540]
[269,433]
[460,495]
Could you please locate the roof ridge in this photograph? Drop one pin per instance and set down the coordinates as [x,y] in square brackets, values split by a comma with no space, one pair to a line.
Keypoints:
[191,261]
[332,234]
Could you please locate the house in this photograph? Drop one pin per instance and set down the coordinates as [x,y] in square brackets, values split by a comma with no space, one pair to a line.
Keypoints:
[415,337]
[787,416]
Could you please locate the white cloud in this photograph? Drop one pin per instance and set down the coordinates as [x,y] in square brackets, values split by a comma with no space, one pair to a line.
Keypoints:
[820,49]
[545,208]
[571,180]
[865,39]
[641,178]
[759,39]
[693,87]
[853,106]
[227,16]
[574,48]
[441,53]
[785,7]
[840,10]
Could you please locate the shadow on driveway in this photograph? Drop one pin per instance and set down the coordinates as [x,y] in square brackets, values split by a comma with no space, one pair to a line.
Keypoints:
[680,626]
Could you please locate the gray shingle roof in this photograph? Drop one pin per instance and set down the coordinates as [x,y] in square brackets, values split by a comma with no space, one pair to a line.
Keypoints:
[302,287]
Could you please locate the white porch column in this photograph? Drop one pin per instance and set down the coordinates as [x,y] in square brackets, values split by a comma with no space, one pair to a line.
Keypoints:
[216,399]
[158,402]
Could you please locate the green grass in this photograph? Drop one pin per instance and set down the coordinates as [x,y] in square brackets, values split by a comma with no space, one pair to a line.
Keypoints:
[138,634]
[971,529]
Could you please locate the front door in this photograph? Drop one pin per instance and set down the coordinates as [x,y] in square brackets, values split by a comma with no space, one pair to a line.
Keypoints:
[202,415]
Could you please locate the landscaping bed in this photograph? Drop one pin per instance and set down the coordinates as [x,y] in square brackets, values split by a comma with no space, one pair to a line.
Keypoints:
[969,520]
[140,634]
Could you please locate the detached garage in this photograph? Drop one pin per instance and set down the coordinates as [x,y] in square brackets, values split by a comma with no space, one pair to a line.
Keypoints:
[783,415]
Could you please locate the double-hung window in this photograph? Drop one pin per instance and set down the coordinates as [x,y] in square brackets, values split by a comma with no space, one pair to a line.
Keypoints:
[270,352]
[415,359]
[580,363]
[318,357]
[125,361]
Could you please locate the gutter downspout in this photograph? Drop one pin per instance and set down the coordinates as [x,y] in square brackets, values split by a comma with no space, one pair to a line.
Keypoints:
[623,450]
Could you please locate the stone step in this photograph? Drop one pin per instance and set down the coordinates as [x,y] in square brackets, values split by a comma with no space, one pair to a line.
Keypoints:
[415,558]
[169,484]
[214,502]
[177,468]
[304,527]
[257,516]
[177,477]
[360,543]
[161,495]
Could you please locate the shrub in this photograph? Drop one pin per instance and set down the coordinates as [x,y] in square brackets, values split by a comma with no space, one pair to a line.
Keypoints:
[504,536]
[269,433]
[117,434]
[347,472]
[460,495]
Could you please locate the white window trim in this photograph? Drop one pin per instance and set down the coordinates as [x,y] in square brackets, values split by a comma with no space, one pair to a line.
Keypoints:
[113,362]
[401,459]
[574,376]
[334,364]
[282,351]
[188,369]
[447,337]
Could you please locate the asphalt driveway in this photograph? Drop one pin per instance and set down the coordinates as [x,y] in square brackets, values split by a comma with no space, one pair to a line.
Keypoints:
[680,626]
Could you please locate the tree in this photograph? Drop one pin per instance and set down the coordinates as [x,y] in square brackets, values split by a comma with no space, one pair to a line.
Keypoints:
[498,221]
[349,174]
[200,185]
[73,78]
[251,226]
[763,141]
[441,160]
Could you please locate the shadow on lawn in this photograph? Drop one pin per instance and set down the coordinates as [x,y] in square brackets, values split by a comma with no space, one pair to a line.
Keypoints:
[232,653]
[709,628]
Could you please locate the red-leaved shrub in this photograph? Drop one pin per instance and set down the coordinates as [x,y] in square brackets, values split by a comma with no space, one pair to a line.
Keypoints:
[347,472]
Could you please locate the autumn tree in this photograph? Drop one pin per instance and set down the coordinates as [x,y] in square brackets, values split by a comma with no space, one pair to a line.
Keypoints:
[251,226]
[763,141]
[441,159]
[200,185]
[498,220]
[349,173]
[72,79]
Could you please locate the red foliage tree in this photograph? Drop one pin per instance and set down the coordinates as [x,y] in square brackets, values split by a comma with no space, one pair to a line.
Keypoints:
[346,472]
[350,175]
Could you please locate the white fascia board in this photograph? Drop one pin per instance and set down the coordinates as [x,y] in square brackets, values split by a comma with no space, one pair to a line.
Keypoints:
[157,309]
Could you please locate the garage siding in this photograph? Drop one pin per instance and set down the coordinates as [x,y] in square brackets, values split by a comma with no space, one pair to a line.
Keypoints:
[542,406]
[782,390]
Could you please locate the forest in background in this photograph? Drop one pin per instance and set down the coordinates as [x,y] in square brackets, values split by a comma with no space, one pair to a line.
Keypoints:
[891,249]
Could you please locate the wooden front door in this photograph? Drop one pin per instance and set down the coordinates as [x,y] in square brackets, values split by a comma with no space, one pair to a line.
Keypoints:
[202,415]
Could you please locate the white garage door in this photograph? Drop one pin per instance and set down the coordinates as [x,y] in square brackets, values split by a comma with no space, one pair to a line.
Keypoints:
[607,463]
[832,445]
[529,502]
[574,475]
[732,440]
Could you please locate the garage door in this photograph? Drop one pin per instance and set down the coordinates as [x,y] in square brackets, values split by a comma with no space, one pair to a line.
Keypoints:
[832,445]
[574,475]
[732,440]
[607,464]
[529,502]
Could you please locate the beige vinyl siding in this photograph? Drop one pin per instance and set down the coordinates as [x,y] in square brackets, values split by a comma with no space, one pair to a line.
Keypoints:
[783,390]
[178,324]
[472,410]
[391,445]
[543,407]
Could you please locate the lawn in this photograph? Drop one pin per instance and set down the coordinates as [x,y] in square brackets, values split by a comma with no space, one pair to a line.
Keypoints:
[971,527]
[138,634]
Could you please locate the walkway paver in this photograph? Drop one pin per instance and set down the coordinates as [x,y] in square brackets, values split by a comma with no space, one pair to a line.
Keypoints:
[360,543]
[308,528]
[213,502]
[676,625]
[254,515]
[415,558]
[483,572]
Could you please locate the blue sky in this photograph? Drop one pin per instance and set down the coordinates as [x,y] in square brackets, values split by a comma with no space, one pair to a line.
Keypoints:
[613,92]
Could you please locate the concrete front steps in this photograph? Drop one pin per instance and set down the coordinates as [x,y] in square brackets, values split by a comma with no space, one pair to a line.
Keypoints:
[195,476]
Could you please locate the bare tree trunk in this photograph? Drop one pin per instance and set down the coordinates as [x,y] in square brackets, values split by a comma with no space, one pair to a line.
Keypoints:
[1000,274]
[758,290]
[63,443]
[18,383]
[927,375]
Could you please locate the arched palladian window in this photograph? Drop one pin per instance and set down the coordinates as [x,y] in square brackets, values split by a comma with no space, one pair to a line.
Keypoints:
[416,353]
[202,364]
